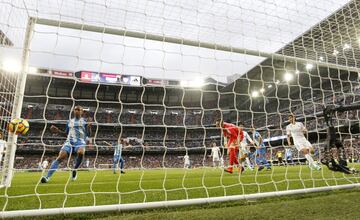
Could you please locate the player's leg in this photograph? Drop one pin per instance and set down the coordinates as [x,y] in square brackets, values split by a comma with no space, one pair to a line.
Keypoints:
[236,155]
[242,160]
[63,154]
[1,156]
[232,159]
[122,165]
[80,152]
[115,163]
[248,163]
[307,152]
[251,158]
[218,162]
[247,160]
[265,161]
[222,165]
[260,159]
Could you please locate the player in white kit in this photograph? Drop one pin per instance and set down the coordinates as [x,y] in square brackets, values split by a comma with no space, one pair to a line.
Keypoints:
[215,154]
[87,163]
[296,130]
[187,163]
[44,164]
[2,146]
[244,148]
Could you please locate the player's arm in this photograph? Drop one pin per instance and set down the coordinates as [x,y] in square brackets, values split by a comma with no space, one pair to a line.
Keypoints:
[107,143]
[225,141]
[288,139]
[126,143]
[89,127]
[304,130]
[288,136]
[55,129]
[89,130]
[249,139]
[260,139]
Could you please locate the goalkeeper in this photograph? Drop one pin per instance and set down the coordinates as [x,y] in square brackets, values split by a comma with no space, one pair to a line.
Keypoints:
[233,134]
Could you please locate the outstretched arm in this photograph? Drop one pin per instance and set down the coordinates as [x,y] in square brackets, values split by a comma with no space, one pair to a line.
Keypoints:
[55,129]
[107,143]
[247,136]
[288,139]
[305,131]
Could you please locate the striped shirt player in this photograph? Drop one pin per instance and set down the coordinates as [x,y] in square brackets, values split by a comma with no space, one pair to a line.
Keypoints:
[260,154]
[77,131]
[117,156]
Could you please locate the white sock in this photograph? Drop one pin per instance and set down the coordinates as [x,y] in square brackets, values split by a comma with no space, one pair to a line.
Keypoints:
[310,159]
[248,163]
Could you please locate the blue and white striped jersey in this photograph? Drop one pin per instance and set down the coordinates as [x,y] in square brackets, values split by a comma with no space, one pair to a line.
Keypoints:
[256,136]
[77,131]
[117,149]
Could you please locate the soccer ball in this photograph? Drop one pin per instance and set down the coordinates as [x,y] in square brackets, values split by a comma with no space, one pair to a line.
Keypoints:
[18,126]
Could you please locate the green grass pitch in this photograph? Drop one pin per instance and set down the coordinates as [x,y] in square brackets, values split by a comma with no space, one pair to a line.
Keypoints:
[104,188]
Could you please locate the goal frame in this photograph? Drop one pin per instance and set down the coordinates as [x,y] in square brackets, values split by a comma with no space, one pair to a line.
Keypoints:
[167,204]
[9,158]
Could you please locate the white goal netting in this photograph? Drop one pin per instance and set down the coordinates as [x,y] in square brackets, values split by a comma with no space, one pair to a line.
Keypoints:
[158,74]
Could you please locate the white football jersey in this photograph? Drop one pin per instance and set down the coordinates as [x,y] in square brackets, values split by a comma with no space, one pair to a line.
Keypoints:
[247,139]
[215,152]
[2,146]
[187,159]
[44,164]
[296,130]
[87,164]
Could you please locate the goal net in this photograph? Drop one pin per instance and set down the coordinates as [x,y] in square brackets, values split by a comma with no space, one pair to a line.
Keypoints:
[155,76]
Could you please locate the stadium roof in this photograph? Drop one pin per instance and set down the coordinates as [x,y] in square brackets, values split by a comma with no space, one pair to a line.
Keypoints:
[266,26]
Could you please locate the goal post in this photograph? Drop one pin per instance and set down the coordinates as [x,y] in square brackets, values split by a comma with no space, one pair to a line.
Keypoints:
[167,204]
[9,157]
[187,42]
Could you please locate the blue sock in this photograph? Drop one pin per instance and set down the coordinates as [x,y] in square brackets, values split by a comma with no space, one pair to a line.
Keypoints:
[264,162]
[114,165]
[258,161]
[121,164]
[268,165]
[53,168]
[78,161]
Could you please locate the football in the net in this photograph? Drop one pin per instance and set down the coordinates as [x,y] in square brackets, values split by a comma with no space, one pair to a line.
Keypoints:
[19,126]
